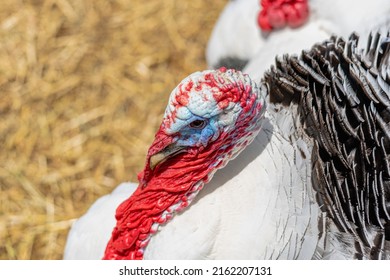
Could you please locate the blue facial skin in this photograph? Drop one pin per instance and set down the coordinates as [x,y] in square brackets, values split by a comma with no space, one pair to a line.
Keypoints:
[197,137]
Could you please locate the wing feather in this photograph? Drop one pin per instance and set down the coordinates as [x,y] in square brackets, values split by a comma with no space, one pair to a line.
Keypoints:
[343,95]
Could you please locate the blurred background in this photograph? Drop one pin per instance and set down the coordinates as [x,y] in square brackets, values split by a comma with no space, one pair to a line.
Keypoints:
[83,86]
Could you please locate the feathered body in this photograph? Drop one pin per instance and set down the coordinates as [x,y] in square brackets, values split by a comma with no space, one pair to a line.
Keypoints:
[343,96]
[314,183]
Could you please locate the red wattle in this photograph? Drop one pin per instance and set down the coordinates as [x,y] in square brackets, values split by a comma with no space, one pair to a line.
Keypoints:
[276,17]
[276,14]
[298,16]
[169,185]
[263,22]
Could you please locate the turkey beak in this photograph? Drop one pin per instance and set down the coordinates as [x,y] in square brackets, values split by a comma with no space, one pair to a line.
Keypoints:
[168,152]
[163,147]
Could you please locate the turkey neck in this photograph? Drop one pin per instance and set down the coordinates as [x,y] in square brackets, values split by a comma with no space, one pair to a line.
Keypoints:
[283,197]
[138,217]
[170,188]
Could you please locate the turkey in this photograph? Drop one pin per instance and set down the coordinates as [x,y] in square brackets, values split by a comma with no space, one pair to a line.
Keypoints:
[310,178]
[237,36]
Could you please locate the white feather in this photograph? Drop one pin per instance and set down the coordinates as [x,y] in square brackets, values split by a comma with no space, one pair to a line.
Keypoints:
[236,33]
[89,235]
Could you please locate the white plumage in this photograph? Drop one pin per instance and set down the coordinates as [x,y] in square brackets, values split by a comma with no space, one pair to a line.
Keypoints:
[89,235]
[236,35]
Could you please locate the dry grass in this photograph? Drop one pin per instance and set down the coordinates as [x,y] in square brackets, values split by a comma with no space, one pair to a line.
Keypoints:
[83,86]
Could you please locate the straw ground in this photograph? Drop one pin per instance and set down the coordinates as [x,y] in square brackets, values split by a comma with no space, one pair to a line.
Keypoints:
[84,84]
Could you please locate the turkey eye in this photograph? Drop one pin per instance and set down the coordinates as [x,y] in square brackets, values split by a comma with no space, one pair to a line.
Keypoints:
[198,124]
